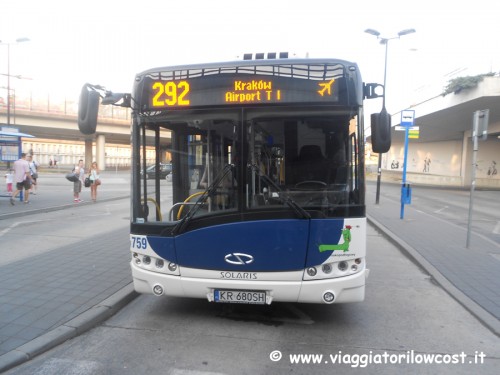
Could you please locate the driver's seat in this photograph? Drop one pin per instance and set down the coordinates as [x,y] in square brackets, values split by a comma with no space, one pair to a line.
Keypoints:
[310,165]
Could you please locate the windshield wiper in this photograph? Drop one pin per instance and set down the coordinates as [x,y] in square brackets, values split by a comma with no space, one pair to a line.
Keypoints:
[303,214]
[210,190]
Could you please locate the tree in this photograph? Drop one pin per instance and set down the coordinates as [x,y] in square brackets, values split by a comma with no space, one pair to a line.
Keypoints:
[462,83]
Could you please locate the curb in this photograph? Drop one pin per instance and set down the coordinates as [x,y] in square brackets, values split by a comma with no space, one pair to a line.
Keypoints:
[75,327]
[488,320]
[56,208]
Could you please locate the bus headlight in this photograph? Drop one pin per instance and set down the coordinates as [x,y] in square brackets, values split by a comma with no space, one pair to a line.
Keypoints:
[157,290]
[328,297]
[155,264]
[311,271]
[172,267]
[343,266]
[334,269]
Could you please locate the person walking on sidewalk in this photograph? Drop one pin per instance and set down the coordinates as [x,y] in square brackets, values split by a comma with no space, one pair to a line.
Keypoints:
[77,185]
[9,179]
[22,178]
[94,180]
[34,173]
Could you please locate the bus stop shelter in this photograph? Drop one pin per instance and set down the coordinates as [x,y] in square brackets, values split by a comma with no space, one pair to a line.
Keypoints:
[11,144]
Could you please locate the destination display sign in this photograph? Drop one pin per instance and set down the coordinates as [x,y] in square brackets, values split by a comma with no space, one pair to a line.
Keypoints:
[235,89]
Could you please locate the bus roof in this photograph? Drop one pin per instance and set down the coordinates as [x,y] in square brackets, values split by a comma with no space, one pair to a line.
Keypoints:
[254,63]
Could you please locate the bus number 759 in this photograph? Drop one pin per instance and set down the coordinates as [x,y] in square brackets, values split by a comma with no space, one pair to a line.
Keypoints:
[140,243]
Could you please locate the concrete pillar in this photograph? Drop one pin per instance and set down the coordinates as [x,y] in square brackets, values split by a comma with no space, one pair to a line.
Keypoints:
[101,151]
[88,153]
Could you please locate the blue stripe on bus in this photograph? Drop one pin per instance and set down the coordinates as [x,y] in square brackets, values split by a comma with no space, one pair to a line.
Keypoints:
[323,232]
[272,245]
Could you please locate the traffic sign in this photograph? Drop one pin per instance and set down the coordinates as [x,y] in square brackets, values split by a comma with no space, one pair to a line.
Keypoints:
[413,132]
[403,128]
[408,117]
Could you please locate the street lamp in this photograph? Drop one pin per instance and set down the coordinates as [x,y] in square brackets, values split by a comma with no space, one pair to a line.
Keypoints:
[18,40]
[386,42]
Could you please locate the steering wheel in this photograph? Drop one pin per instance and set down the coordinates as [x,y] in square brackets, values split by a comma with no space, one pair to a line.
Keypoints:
[311,184]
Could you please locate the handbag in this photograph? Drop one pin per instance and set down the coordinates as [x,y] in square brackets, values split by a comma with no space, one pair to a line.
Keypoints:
[72,177]
[87,182]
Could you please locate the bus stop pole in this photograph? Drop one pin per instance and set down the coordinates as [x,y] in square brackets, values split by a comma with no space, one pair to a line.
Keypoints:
[473,180]
[403,186]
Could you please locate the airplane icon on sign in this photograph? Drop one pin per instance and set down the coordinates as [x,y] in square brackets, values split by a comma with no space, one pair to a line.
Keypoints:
[326,86]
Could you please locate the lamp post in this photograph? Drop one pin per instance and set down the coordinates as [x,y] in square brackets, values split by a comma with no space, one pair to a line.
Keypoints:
[386,42]
[18,40]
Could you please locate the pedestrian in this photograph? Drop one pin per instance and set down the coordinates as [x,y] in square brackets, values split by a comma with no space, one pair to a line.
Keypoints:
[77,185]
[9,179]
[34,173]
[95,180]
[22,178]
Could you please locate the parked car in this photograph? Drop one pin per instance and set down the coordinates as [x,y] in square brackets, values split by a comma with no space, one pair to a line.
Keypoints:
[165,170]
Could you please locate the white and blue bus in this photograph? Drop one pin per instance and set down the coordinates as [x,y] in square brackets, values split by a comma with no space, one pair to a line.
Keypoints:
[266,198]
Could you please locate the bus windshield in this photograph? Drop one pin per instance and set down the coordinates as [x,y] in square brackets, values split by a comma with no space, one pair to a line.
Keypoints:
[275,158]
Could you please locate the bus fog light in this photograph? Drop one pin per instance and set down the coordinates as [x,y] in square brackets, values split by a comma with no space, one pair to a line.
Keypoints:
[327,268]
[146,259]
[311,271]
[159,263]
[354,267]
[157,290]
[172,267]
[343,266]
[328,297]
[357,260]
[137,261]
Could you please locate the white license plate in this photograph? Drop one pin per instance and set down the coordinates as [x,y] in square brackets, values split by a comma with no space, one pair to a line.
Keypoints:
[240,296]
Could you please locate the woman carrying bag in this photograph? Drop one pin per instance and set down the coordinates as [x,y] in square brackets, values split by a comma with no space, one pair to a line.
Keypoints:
[94,181]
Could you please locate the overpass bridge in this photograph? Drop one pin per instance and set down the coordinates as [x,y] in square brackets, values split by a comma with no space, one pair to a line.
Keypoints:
[57,136]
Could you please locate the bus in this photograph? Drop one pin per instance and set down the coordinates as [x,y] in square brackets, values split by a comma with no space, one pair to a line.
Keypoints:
[266,197]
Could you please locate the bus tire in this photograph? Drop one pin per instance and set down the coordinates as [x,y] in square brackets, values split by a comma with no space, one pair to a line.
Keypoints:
[88,108]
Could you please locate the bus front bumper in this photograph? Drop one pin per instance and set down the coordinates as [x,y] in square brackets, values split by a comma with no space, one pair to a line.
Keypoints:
[337,290]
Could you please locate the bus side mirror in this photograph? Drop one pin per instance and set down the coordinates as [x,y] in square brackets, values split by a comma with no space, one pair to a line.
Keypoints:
[88,107]
[373,90]
[381,131]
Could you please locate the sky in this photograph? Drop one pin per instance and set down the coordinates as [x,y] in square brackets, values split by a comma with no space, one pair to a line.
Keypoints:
[107,42]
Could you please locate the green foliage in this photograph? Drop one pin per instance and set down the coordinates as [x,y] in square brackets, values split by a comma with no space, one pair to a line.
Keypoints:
[462,83]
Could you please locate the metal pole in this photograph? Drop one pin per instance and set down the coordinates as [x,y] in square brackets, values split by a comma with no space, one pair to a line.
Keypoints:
[402,214]
[473,177]
[8,84]
[379,168]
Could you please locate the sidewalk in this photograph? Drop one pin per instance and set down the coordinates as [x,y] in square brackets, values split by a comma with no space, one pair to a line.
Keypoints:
[46,300]
[56,193]
[471,275]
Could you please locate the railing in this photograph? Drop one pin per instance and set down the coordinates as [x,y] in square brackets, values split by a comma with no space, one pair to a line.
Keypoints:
[55,105]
